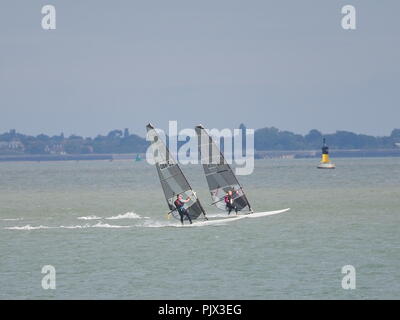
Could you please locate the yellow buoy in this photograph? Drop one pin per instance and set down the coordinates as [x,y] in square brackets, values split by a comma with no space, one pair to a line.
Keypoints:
[325,158]
[325,162]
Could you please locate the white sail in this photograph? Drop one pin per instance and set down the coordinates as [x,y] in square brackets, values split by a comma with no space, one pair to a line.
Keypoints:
[219,175]
[172,179]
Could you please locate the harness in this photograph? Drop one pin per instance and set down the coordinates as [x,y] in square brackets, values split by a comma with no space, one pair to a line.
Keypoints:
[178,204]
[228,199]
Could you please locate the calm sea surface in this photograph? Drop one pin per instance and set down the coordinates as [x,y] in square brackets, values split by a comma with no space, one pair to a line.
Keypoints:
[103,226]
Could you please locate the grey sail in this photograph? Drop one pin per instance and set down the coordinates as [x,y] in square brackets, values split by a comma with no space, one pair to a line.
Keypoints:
[219,175]
[173,182]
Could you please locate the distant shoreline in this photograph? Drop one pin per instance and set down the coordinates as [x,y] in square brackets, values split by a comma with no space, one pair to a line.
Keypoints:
[335,153]
[272,154]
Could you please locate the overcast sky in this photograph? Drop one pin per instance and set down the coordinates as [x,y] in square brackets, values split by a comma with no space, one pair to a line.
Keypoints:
[121,64]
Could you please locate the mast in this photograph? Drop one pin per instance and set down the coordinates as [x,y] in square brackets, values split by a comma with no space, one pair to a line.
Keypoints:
[219,175]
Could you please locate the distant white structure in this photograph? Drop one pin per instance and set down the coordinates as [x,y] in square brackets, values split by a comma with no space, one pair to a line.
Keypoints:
[14,145]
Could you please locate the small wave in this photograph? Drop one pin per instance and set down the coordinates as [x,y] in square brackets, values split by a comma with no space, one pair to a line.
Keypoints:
[28,227]
[97,225]
[89,218]
[11,219]
[128,215]
[158,224]
[75,227]
[164,224]
[106,225]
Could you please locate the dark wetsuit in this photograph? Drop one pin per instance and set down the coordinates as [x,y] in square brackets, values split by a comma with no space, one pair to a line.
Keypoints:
[230,204]
[181,210]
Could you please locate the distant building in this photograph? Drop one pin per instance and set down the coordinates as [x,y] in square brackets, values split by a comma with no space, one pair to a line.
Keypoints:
[55,149]
[12,146]
[16,145]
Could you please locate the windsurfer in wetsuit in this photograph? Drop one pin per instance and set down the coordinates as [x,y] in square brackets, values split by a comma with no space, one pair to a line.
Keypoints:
[230,202]
[179,203]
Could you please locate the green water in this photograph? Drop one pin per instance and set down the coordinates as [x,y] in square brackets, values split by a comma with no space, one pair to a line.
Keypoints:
[347,216]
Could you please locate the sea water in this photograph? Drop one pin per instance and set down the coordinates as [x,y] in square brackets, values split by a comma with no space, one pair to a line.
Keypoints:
[102,225]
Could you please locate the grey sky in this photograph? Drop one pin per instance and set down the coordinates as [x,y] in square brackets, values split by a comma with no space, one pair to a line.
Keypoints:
[117,64]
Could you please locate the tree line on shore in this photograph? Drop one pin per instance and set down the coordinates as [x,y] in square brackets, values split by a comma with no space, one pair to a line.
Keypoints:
[121,141]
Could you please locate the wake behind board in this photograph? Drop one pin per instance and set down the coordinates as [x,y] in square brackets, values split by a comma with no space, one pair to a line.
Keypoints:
[235,218]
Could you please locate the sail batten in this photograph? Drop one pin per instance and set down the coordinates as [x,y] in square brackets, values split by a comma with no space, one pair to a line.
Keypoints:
[219,175]
[172,179]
